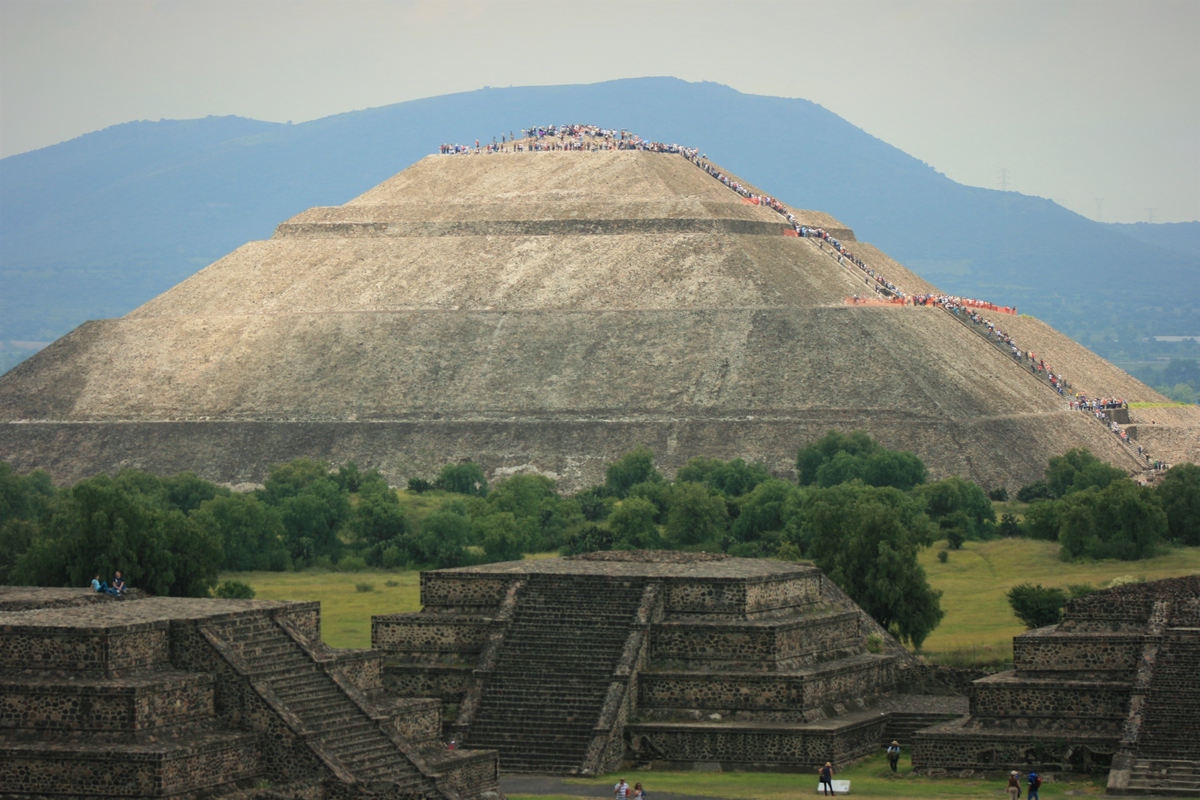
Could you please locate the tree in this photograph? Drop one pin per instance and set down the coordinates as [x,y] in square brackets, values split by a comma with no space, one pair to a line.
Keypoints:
[763,510]
[378,522]
[839,458]
[1077,470]
[102,525]
[587,538]
[443,539]
[289,479]
[956,504]
[731,478]
[1122,520]
[636,466]
[1179,494]
[499,535]
[251,532]
[695,517]
[465,478]
[632,524]
[866,540]
[1037,606]
[312,519]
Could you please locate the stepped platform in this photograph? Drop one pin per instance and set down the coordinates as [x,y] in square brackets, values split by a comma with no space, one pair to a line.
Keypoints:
[190,698]
[577,665]
[1115,687]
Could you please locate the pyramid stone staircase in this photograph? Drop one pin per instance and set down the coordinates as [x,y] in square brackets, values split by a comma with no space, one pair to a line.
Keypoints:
[540,704]
[578,664]
[191,698]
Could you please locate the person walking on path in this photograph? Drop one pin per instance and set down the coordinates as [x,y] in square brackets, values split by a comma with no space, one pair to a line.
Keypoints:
[1035,783]
[621,790]
[638,792]
[827,779]
[893,753]
[1014,785]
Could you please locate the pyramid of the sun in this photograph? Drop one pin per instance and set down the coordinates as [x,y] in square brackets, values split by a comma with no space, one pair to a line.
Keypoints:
[545,310]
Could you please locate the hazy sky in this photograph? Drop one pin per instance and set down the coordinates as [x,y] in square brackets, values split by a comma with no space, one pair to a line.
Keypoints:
[1077,100]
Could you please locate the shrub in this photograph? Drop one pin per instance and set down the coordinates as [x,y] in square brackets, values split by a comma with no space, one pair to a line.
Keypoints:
[875,641]
[352,564]
[1008,527]
[788,552]
[999,495]
[1037,606]
[1038,490]
[364,587]
[419,485]
[943,556]
[465,478]
[391,584]
[234,590]
[955,538]
[636,466]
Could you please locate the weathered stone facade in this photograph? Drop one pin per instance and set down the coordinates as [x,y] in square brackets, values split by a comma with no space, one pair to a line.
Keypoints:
[1115,685]
[686,658]
[170,697]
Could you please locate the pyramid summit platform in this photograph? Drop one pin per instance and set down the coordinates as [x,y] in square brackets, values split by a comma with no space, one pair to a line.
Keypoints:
[550,311]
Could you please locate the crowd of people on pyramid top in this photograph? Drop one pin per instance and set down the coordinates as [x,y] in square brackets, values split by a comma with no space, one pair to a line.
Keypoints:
[547,138]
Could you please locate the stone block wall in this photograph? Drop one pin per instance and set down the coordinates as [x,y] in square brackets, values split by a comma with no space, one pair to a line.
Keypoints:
[1112,655]
[102,649]
[1003,700]
[756,646]
[38,703]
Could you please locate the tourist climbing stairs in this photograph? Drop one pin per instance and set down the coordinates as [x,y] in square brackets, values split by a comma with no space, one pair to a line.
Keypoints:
[1168,753]
[273,657]
[540,704]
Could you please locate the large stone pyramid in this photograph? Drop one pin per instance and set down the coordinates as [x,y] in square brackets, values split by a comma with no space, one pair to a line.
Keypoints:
[548,311]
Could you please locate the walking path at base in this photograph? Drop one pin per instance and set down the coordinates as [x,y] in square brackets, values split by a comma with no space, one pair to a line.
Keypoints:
[556,785]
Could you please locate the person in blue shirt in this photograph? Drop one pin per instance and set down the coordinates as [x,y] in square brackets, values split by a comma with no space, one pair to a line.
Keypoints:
[1035,783]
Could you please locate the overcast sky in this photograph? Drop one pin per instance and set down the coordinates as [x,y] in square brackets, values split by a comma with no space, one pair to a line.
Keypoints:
[1076,100]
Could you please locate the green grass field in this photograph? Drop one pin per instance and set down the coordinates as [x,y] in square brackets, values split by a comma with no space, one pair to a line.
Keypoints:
[978,627]
[345,611]
[869,778]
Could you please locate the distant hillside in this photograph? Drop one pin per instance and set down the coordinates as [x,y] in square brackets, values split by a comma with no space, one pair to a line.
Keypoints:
[95,226]
[1183,237]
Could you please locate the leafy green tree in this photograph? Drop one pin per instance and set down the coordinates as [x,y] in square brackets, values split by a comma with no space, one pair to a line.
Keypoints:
[1122,520]
[251,531]
[465,478]
[1042,520]
[658,493]
[443,539]
[289,479]
[1179,494]
[1037,606]
[763,510]
[1038,490]
[187,491]
[1008,527]
[866,540]
[587,538]
[377,522]
[312,519]
[956,504]
[102,525]
[696,517]
[636,466]
[731,478]
[632,524]
[500,535]
[25,506]
[595,503]
[1077,470]
[840,458]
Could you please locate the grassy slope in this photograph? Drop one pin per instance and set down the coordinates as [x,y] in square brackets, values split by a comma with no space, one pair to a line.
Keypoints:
[978,626]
